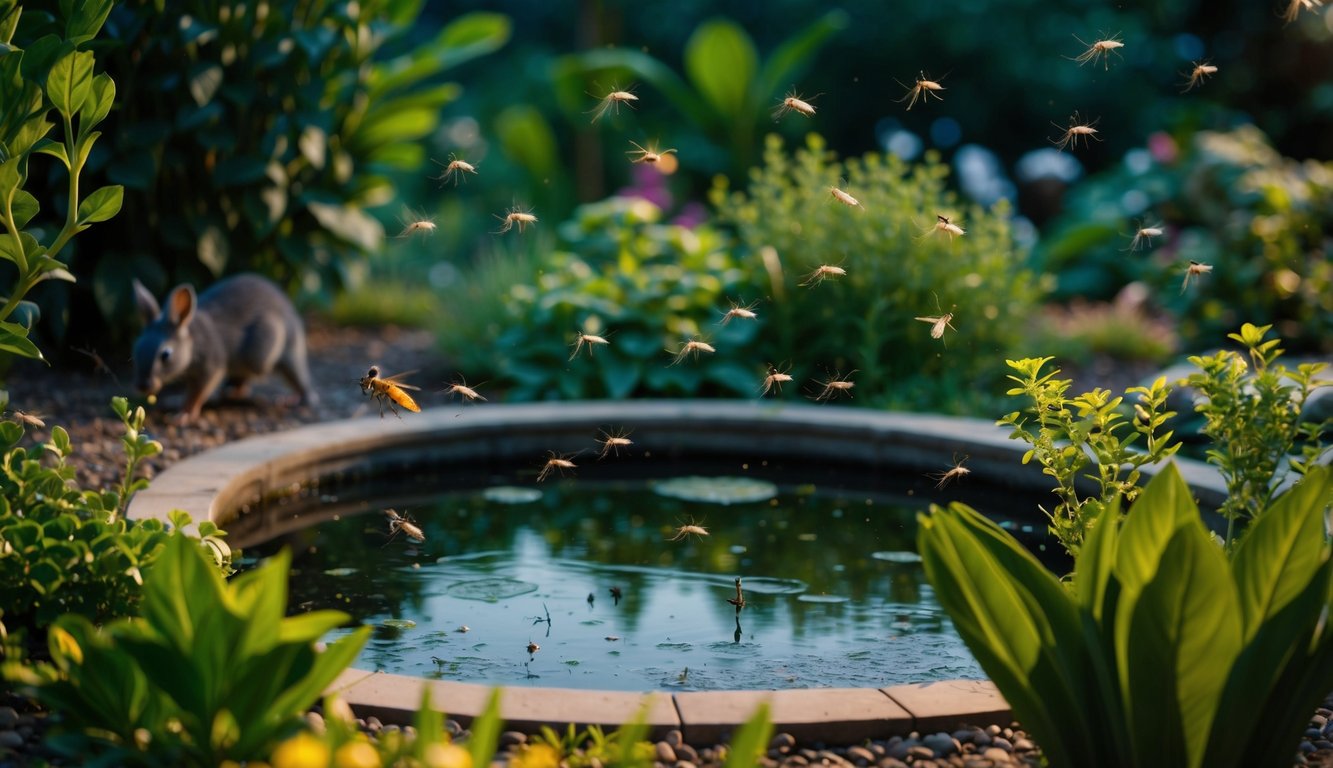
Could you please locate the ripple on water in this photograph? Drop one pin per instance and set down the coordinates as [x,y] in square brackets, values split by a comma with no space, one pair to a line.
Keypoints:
[511,494]
[490,590]
[764,585]
[716,490]
[898,556]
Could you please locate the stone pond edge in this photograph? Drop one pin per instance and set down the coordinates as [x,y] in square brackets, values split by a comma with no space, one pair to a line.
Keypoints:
[214,484]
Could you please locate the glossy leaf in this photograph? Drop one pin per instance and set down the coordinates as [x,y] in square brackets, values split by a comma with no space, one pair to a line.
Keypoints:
[70,82]
[101,205]
[14,339]
[721,61]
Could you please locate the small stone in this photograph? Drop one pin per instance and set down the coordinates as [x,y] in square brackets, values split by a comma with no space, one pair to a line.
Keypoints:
[510,739]
[10,739]
[685,753]
[860,755]
[1323,744]
[966,735]
[373,724]
[1024,745]
[674,737]
[685,764]
[1003,743]
[1312,733]
[996,754]
[1318,721]
[316,722]
[892,762]
[920,752]
[993,730]
[974,761]
[9,717]
[453,728]
[899,751]
[796,760]
[941,744]
[782,742]
[665,753]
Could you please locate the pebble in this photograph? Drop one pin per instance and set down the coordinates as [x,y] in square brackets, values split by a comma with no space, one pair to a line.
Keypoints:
[674,737]
[782,742]
[685,753]
[941,744]
[9,717]
[1024,745]
[860,755]
[11,739]
[665,754]
[1003,743]
[316,722]
[510,739]
[996,754]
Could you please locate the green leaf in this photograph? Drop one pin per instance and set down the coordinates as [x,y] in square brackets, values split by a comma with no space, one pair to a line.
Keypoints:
[99,103]
[70,82]
[528,138]
[350,224]
[486,731]
[101,205]
[721,61]
[54,149]
[41,54]
[751,741]
[24,206]
[1165,505]
[786,62]
[620,378]
[471,36]
[14,339]
[84,18]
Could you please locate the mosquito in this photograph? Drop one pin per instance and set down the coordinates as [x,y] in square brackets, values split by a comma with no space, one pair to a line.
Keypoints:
[416,223]
[956,472]
[555,463]
[835,386]
[1101,49]
[822,273]
[401,522]
[1194,270]
[844,198]
[612,101]
[691,347]
[586,340]
[456,170]
[923,90]
[1144,235]
[745,313]
[793,102]
[613,442]
[1076,129]
[944,224]
[689,529]
[1201,72]
[939,323]
[465,393]
[515,217]
[648,154]
[774,380]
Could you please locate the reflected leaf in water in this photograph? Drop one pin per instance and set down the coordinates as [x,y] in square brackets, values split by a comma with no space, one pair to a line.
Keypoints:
[716,490]
[399,623]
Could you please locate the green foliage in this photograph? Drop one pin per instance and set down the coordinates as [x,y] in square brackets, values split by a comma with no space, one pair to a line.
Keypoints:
[747,748]
[647,287]
[47,82]
[384,302]
[1084,333]
[211,671]
[1252,415]
[1162,652]
[65,550]
[1231,201]
[729,94]
[898,268]
[626,747]
[258,137]
[1069,434]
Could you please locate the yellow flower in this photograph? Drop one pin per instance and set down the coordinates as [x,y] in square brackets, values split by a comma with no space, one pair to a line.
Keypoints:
[301,751]
[536,756]
[356,754]
[446,755]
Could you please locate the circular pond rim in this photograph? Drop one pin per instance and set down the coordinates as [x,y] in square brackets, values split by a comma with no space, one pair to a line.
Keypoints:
[253,474]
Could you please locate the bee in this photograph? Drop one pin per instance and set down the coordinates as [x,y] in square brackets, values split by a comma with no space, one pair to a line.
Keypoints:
[689,529]
[1102,49]
[1202,70]
[648,154]
[835,386]
[456,171]
[612,443]
[923,89]
[1294,8]
[792,102]
[400,522]
[956,472]
[389,391]
[1074,131]
[30,419]
[691,347]
[739,599]
[945,225]
[555,463]
[745,313]
[1144,235]
[612,101]
[515,217]
[938,324]
[845,198]
[822,273]
[460,388]
[416,223]
[775,379]
[588,340]
[1195,269]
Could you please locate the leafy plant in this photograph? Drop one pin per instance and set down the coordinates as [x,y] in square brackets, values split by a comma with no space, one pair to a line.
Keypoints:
[1252,415]
[751,741]
[66,550]
[212,670]
[625,747]
[1164,651]
[260,137]
[898,266]
[645,286]
[1091,431]
[46,67]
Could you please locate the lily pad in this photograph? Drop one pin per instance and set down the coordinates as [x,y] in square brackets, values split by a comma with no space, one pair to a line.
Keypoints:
[490,590]
[822,599]
[900,556]
[398,623]
[511,494]
[716,490]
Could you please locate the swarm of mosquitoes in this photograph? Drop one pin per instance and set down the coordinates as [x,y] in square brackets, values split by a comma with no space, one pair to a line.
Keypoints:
[391,391]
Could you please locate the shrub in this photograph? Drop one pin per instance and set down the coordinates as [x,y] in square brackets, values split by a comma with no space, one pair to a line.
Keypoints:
[896,272]
[211,671]
[619,273]
[46,67]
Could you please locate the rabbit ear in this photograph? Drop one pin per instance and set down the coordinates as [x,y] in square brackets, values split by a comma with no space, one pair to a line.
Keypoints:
[145,303]
[181,305]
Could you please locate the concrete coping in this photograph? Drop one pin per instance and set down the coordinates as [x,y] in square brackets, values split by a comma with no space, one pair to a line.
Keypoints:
[244,483]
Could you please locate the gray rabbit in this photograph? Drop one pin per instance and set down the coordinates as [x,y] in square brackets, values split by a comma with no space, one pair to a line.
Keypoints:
[241,328]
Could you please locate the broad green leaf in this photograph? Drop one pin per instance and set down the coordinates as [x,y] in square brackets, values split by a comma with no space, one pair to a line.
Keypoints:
[1283,548]
[721,61]
[99,103]
[787,61]
[751,741]
[1173,640]
[593,64]
[84,18]
[351,224]
[41,54]
[54,149]
[309,627]
[24,206]
[1164,506]
[620,378]
[70,82]
[527,137]
[486,731]
[1096,561]
[101,205]
[14,339]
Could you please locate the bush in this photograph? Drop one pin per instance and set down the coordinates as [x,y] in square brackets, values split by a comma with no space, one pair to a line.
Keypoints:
[1262,221]
[898,268]
[645,286]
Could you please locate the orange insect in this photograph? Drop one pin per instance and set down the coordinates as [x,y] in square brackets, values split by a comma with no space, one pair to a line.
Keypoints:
[775,379]
[586,339]
[515,217]
[691,347]
[834,386]
[456,171]
[612,101]
[1194,270]
[739,599]
[389,390]
[613,442]
[1202,71]
[555,463]
[822,273]
[792,102]
[1102,49]
[648,154]
[1074,131]
[956,472]
[745,313]
[460,388]
[923,90]
[1144,235]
